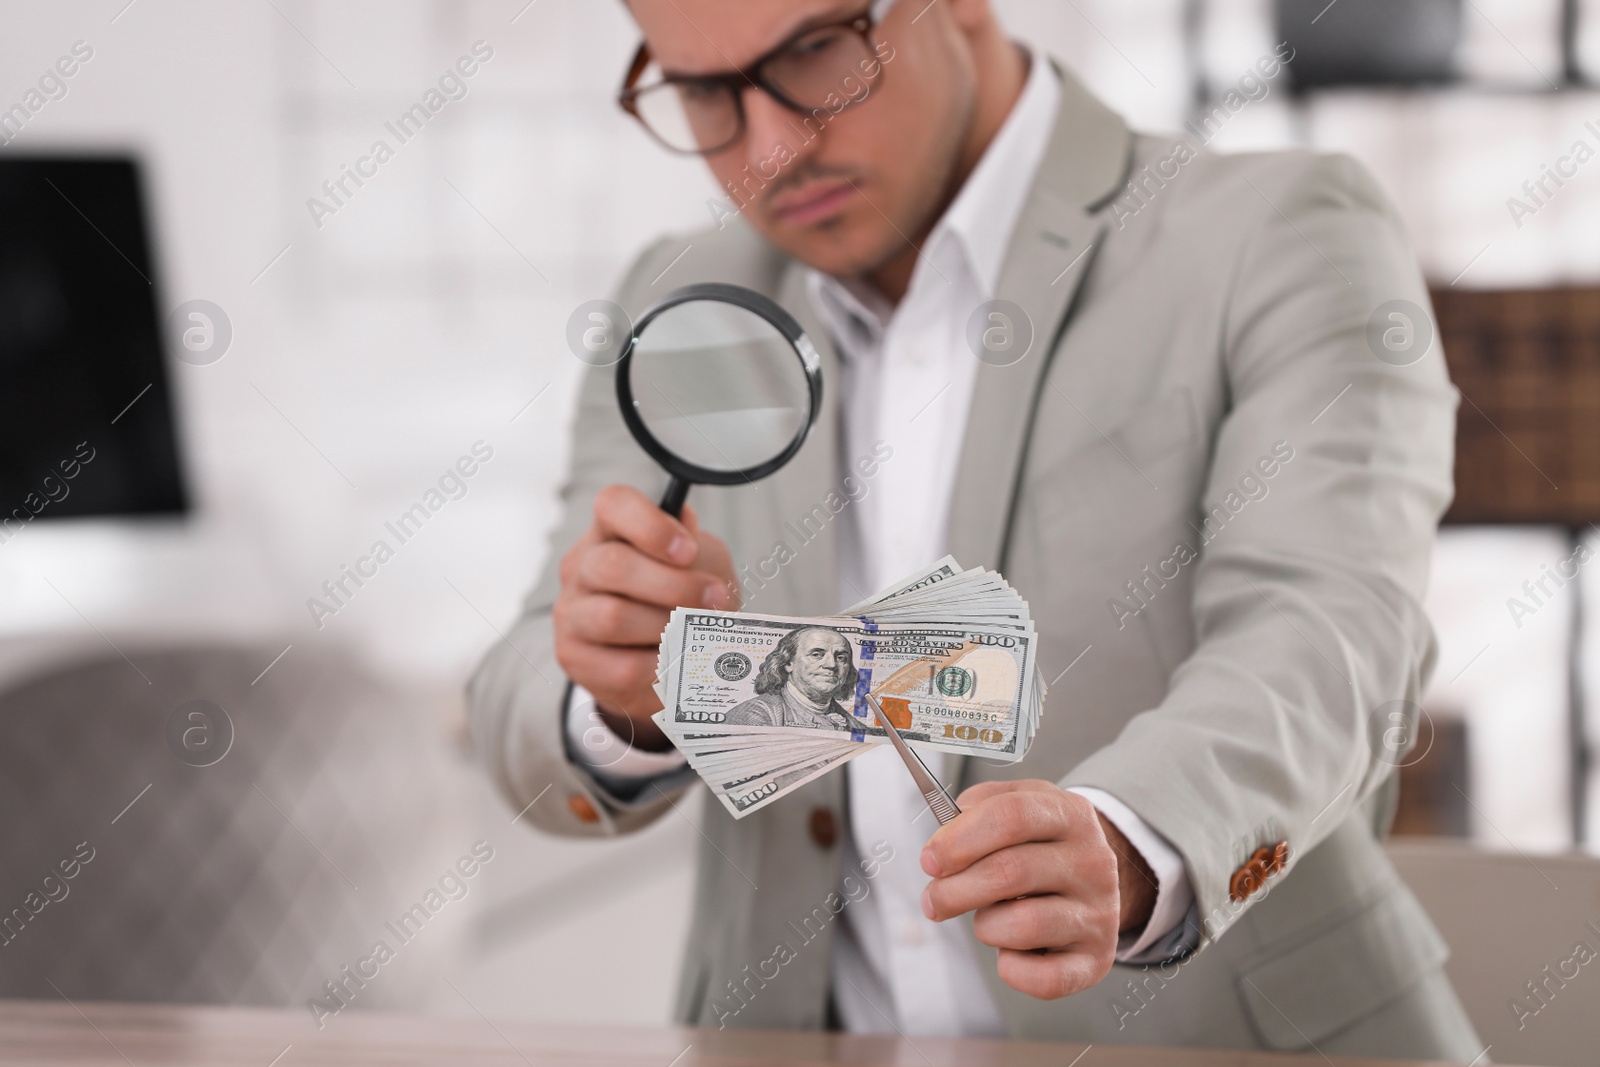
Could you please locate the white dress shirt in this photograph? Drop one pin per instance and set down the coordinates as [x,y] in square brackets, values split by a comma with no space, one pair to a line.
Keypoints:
[907,380]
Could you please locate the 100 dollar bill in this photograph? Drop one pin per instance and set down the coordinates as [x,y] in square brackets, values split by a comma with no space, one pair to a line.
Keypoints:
[956,688]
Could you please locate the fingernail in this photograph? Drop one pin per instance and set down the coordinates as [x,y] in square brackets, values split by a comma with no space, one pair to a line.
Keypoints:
[681,549]
[930,863]
[715,596]
[927,903]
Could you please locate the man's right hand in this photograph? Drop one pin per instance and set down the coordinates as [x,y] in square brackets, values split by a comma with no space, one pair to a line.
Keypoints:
[619,584]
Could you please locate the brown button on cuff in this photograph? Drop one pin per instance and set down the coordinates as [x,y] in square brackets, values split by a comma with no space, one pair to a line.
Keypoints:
[583,808]
[1267,861]
[824,827]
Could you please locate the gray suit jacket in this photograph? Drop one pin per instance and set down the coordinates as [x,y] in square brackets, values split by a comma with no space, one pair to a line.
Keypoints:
[1220,506]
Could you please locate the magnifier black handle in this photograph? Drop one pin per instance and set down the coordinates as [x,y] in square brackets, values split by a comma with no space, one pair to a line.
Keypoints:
[672,500]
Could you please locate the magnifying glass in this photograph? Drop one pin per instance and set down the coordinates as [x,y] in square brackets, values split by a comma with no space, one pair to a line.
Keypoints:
[719,385]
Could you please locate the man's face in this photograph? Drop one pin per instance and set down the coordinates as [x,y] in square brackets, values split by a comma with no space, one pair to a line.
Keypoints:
[844,192]
[821,662]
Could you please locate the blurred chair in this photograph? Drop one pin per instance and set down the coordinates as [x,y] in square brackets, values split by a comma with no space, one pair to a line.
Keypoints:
[1527,363]
[253,880]
[1435,780]
[1507,918]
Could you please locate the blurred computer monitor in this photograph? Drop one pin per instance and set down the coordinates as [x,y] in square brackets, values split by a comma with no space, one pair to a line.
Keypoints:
[86,415]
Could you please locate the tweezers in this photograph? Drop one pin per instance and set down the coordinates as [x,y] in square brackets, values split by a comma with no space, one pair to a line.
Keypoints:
[939,800]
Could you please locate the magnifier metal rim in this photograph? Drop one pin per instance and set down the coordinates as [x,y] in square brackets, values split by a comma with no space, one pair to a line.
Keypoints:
[751,301]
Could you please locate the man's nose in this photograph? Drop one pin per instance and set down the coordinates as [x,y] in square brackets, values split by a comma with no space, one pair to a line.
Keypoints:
[769,139]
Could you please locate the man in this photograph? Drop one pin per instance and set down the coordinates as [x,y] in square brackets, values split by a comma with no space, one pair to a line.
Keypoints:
[1165,426]
[801,683]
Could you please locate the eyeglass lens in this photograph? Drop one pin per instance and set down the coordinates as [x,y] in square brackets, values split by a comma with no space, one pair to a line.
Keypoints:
[825,69]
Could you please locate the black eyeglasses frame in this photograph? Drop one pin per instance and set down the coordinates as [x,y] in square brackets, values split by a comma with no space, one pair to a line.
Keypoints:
[736,81]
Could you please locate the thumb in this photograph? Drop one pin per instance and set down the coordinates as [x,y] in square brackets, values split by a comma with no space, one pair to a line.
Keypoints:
[976,794]
[690,520]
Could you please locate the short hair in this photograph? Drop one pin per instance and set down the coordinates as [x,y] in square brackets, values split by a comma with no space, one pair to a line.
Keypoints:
[772,676]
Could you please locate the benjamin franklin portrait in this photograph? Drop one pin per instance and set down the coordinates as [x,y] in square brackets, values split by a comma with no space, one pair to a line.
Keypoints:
[801,683]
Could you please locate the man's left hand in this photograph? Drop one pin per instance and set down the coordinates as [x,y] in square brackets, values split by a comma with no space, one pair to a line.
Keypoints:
[1051,881]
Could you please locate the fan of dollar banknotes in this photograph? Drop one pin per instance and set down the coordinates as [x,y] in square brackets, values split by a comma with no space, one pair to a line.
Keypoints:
[761,704]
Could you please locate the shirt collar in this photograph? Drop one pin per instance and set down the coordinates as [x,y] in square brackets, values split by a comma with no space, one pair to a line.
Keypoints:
[978,222]
[986,210]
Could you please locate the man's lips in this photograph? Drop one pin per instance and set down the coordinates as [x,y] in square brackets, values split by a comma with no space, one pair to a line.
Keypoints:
[812,203]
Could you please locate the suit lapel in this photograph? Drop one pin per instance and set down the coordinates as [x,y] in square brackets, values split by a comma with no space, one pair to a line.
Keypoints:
[1051,253]
[1052,250]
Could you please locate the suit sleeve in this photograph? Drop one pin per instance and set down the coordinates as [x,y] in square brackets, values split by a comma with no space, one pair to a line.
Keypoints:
[516,699]
[1307,607]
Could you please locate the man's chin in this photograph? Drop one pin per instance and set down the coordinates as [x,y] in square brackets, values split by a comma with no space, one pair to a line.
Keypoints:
[838,246]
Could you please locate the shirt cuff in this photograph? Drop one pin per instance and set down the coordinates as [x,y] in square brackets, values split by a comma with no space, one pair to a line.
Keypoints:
[1167,934]
[611,759]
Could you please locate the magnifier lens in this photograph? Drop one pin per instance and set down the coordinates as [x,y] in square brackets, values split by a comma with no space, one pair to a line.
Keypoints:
[718,386]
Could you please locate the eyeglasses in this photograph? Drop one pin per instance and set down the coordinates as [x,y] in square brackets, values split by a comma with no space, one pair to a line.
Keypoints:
[825,68]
